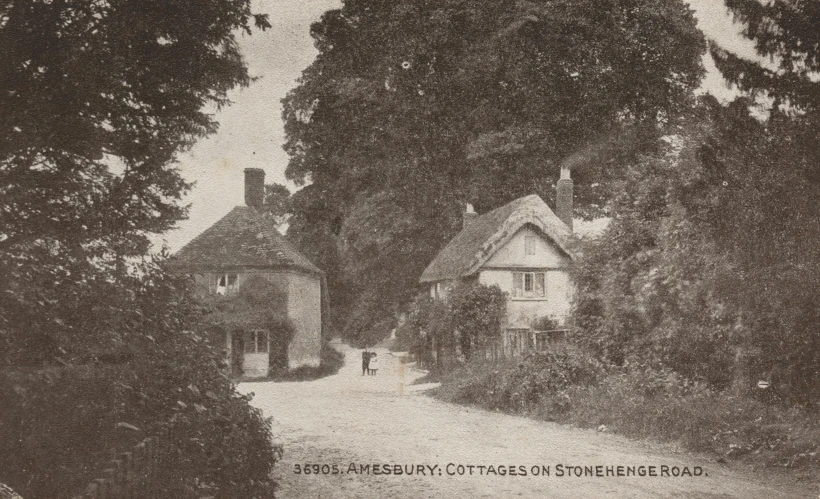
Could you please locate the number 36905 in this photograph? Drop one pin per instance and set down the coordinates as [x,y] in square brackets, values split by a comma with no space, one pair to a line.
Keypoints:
[316,469]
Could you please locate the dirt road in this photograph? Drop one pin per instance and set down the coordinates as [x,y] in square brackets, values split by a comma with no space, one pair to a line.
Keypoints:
[350,421]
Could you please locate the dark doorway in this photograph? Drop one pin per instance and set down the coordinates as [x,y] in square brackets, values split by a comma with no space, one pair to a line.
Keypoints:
[237,354]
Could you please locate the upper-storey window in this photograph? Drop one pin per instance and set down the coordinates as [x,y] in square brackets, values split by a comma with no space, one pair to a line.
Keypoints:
[439,290]
[529,245]
[226,284]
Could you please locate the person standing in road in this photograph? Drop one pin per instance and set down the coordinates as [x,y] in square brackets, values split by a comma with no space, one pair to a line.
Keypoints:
[365,362]
[374,363]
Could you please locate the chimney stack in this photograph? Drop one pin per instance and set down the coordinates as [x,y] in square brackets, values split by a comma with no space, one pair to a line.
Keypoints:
[255,187]
[469,216]
[563,197]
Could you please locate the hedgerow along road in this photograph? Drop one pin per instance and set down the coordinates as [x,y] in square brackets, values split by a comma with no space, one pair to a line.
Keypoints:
[354,436]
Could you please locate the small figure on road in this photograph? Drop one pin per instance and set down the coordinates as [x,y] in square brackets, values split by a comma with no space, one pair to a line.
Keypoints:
[374,363]
[365,362]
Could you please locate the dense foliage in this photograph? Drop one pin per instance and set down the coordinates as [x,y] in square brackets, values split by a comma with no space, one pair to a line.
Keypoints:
[97,98]
[715,262]
[277,204]
[426,320]
[540,381]
[471,316]
[163,379]
[709,265]
[413,108]
[777,256]
[258,305]
[784,32]
[478,313]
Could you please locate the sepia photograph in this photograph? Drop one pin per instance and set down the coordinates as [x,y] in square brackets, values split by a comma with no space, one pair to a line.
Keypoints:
[367,249]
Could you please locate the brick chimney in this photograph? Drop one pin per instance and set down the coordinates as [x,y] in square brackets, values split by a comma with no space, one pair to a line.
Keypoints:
[563,197]
[254,187]
[469,216]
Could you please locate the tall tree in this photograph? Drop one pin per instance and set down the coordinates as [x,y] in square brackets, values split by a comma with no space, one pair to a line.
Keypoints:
[278,203]
[777,220]
[412,109]
[786,32]
[710,265]
[97,98]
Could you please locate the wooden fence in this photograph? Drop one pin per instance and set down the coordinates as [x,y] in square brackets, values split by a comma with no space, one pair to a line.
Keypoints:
[518,343]
[513,342]
[139,474]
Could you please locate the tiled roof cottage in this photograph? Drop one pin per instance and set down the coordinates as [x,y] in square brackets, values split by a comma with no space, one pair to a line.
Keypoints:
[246,243]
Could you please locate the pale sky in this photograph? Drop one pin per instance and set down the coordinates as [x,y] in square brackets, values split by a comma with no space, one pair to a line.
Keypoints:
[251,131]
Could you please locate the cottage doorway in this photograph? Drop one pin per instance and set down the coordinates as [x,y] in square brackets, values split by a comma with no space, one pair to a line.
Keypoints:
[256,361]
[237,354]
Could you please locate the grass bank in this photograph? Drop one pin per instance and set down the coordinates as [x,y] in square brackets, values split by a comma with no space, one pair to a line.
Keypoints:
[566,386]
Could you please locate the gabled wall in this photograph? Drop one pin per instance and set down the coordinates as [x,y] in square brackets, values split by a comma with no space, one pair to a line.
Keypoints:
[549,259]
[512,254]
[521,312]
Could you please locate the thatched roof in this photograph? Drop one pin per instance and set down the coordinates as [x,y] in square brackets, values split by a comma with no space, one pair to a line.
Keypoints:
[476,243]
[244,238]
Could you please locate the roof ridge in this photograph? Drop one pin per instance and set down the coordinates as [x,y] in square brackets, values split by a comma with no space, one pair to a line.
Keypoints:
[519,200]
[475,244]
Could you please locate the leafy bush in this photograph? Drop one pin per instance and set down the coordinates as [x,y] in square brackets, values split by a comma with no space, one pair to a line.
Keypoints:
[638,401]
[539,382]
[545,323]
[61,422]
[477,312]
[548,374]
[647,402]
[56,423]
[472,314]
[427,319]
[221,441]
[703,269]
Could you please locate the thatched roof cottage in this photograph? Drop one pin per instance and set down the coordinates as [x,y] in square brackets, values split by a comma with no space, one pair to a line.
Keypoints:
[523,247]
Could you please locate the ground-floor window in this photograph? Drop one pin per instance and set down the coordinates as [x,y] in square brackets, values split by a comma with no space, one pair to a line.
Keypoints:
[256,342]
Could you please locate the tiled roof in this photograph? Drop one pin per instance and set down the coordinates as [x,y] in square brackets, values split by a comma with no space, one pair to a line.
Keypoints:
[242,238]
[476,243]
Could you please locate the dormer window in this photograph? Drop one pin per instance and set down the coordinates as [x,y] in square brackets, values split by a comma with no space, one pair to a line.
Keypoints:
[225,284]
[439,290]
